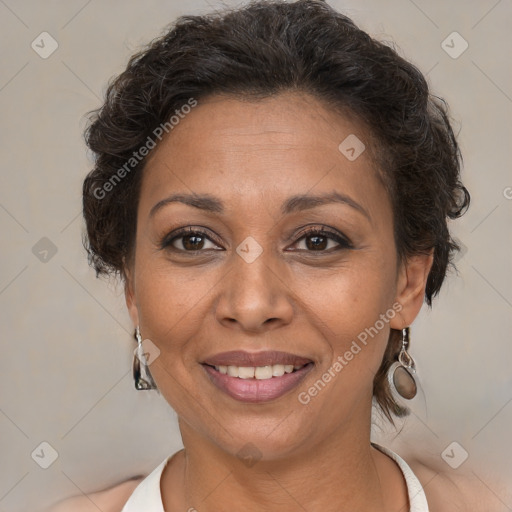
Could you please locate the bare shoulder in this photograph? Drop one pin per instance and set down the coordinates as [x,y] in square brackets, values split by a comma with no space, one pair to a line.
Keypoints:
[107,500]
[450,490]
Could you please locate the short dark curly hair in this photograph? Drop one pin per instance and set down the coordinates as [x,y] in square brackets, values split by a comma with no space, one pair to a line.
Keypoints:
[260,50]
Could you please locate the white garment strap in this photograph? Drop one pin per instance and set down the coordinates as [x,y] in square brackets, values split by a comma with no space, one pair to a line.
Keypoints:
[417,498]
[147,496]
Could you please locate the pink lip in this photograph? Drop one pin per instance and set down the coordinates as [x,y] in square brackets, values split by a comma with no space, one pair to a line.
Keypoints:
[254,390]
[267,358]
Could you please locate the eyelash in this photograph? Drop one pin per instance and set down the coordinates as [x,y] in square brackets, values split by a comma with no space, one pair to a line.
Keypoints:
[344,242]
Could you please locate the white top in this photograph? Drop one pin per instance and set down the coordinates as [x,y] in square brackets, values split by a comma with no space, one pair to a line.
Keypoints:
[147,496]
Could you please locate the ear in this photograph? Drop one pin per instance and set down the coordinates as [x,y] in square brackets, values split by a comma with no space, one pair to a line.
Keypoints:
[129,295]
[410,292]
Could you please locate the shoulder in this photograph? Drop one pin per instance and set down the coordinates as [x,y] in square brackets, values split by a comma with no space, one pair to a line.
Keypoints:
[453,491]
[108,500]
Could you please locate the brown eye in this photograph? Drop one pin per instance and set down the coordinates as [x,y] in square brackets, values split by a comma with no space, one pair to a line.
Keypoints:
[321,240]
[315,242]
[192,242]
[188,240]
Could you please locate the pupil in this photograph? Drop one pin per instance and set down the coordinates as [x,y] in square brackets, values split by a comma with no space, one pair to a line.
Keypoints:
[316,244]
[192,245]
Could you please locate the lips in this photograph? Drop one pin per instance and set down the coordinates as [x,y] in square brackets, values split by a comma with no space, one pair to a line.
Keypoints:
[254,384]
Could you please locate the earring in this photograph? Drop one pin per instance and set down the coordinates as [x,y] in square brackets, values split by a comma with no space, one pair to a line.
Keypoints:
[141,374]
[401,373]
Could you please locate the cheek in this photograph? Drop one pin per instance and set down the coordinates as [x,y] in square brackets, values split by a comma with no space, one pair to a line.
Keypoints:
[169,307]
[168,294]
[167,302]
[354,314]
[355,294]
[355,306]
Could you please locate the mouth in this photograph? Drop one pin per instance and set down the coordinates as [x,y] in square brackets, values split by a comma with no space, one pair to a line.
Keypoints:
[256,377]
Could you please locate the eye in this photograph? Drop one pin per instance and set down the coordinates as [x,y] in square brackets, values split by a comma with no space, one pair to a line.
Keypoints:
[318,240]
[188,240]
[192,239]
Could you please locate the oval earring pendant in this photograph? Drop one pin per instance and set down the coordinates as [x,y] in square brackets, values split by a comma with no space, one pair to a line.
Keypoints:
[404,383]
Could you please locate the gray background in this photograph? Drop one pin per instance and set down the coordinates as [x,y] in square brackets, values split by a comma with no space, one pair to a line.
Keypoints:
[66,339]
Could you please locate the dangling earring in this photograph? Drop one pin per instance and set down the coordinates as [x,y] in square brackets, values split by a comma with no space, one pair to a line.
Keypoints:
[141,375]
[401,373]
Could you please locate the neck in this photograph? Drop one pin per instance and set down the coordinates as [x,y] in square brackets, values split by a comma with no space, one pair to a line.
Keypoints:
[342,473]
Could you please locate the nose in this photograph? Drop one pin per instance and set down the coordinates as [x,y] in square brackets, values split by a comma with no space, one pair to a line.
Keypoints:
[254,297]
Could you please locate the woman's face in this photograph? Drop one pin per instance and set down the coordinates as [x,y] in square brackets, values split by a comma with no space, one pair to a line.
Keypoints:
[235,279]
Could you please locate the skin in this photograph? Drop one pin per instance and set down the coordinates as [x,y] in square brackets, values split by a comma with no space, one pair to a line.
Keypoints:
[253,156]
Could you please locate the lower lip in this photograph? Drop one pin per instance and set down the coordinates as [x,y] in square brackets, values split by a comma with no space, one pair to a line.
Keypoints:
[255,390]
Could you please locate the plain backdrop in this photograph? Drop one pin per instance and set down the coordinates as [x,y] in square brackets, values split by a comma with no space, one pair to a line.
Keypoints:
[66,345]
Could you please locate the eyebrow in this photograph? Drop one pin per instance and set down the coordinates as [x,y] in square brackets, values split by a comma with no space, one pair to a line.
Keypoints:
[293,204]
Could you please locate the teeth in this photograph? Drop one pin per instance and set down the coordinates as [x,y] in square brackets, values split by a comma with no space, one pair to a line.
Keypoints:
[246,372]
[263,372]
[233,371]
[258,372]
[278,370]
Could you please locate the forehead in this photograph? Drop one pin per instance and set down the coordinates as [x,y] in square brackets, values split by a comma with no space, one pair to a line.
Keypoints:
[269,149]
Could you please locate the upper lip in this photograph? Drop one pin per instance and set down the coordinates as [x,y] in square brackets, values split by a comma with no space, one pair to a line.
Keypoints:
[267,358]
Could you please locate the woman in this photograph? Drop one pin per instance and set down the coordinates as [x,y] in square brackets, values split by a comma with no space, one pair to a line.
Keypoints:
[273,187]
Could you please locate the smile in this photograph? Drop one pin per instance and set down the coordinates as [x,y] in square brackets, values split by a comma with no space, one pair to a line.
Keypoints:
[276,374]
